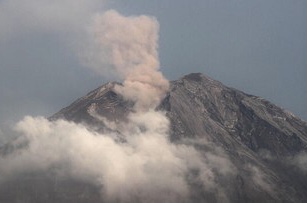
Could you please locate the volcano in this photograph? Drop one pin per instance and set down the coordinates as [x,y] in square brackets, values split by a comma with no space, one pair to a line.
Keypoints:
[265,144]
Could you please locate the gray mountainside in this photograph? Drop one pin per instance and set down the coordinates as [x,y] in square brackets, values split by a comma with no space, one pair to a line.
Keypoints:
[263,143]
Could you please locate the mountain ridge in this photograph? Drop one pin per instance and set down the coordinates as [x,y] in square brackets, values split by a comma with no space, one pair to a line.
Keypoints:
[250,145]
[258,107]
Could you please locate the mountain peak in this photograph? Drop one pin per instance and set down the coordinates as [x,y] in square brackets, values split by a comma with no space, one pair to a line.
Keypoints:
[197,77]
[204,107]
[200,77]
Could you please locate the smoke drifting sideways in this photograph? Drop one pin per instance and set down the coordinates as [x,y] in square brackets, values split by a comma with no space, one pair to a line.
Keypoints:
[145,166]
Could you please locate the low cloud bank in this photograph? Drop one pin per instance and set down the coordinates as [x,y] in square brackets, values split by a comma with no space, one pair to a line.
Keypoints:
[144,166]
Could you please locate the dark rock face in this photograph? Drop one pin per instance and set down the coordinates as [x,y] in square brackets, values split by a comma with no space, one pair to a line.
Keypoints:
[106,101]
[208,108]
[248,128]
[259,139]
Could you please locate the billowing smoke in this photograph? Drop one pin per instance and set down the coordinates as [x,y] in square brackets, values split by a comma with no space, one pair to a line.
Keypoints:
[145,166]
[128,46]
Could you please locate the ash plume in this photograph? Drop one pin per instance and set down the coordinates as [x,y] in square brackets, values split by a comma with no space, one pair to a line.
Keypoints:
[128,45]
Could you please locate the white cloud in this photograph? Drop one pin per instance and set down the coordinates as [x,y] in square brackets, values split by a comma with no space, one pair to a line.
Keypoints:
[144,166]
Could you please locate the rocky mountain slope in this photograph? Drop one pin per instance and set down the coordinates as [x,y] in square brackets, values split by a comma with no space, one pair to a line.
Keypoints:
[256,150]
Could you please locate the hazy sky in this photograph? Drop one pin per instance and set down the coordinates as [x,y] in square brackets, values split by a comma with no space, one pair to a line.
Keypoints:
[259,47]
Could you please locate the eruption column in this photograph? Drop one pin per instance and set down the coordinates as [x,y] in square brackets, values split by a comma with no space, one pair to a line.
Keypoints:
[129,46]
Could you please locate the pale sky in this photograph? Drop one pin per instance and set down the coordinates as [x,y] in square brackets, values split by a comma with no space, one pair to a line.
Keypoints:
[259,47]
